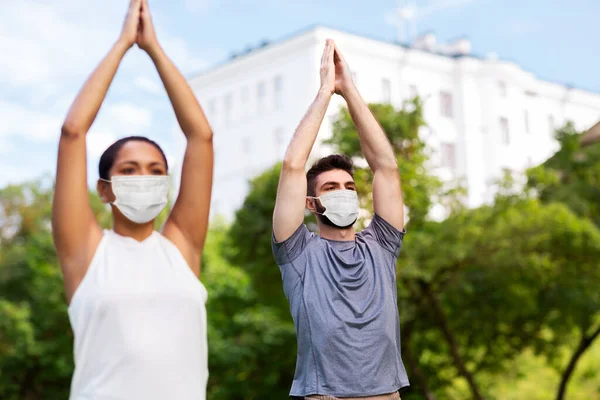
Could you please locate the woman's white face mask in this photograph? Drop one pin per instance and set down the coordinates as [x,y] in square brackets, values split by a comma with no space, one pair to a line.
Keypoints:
[341,207]
[140,198]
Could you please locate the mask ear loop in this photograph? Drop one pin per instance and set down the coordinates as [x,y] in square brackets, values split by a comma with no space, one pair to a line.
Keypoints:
[107,181]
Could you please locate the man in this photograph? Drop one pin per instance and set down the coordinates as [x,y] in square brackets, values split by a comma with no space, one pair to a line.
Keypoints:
[341,285]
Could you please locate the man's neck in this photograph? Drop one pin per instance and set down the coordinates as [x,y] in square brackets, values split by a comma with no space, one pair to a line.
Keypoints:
[331,233]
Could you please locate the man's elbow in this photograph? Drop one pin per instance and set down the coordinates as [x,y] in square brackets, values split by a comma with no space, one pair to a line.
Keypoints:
[388,165]
[293,164]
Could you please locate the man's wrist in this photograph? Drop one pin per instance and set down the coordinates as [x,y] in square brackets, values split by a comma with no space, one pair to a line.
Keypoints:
[324,92]
[349,91]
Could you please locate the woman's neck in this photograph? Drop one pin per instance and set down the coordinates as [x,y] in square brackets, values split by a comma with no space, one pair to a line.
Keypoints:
[139,232]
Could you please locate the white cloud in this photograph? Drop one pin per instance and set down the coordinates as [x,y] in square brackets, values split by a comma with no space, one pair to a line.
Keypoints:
[179,51]
[15,174]
[98,141]
[126,118]
[47,50]
[26,123]
[63,41]
[40,45]
[147,84]
[6,146]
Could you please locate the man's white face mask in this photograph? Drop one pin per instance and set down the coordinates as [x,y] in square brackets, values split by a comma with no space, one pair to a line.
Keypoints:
[341,207]
[140,198]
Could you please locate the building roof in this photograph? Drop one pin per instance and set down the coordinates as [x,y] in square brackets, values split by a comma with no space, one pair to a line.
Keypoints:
[265,44]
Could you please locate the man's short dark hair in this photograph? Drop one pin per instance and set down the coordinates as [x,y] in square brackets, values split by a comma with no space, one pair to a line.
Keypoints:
[334,161]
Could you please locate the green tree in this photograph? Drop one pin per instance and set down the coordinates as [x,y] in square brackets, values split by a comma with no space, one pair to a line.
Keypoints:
[35,335]
[572,176]
[38,363]
[475,290]
[249,343]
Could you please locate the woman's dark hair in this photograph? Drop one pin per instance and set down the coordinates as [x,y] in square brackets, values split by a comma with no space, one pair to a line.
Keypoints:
[108,157]
[334,161]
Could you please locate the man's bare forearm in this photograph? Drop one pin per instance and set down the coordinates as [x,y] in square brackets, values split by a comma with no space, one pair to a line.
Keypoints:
[304,138]
[375,145]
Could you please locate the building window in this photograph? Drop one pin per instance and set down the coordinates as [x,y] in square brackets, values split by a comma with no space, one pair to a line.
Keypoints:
[246,145]
[449,155]
[278,139]
[212,108]
[386,91]
[502,88]
[526,120]
[228,106]
[260,97]
[278,92]
[245,100]
[504,131]
[446,104]
[412,91]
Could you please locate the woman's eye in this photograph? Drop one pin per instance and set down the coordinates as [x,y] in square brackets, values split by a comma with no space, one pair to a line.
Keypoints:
[158,172]
[128,171]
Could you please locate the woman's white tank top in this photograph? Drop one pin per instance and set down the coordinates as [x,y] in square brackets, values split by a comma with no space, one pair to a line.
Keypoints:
[139,320]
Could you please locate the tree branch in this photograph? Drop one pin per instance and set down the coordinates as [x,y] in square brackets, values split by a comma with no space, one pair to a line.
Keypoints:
[584,343]
[450,339]
[412,362]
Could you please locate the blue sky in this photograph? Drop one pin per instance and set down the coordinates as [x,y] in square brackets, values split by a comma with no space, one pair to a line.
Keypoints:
[49,47]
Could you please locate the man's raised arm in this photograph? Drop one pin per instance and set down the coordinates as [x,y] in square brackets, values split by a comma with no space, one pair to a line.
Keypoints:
[387,194]
[291,193]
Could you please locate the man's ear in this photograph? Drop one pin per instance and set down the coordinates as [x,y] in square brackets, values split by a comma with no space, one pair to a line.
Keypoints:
[310,204]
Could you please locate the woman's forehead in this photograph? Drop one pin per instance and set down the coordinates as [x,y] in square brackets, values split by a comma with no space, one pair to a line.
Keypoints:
[139,151]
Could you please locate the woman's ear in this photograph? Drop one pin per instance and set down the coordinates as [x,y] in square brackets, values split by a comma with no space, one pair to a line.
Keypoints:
[103,189]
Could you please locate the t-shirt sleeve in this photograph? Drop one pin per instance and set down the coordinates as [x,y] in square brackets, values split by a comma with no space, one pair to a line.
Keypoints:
[385,234]
[287,251]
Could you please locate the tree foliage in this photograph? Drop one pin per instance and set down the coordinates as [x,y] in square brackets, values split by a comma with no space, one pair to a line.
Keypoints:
[495,302]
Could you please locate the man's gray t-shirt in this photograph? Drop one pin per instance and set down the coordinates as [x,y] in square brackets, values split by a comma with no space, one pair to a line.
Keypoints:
[342,298]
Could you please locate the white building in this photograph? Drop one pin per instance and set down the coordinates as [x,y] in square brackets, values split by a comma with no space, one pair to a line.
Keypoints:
[484,114]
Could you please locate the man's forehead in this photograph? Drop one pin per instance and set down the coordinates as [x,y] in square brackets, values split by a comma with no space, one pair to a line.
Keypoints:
[335,175]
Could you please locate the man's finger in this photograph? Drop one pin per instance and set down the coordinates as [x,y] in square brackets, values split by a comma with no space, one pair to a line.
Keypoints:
[326,53]
[339,55]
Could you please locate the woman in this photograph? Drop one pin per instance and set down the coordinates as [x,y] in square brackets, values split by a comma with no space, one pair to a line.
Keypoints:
[136,305]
